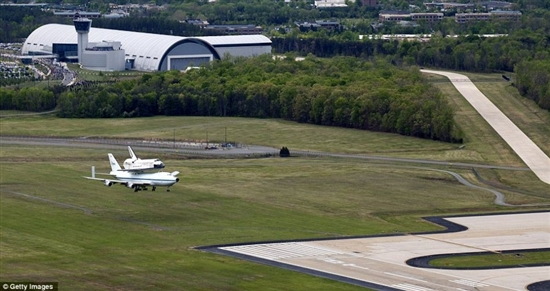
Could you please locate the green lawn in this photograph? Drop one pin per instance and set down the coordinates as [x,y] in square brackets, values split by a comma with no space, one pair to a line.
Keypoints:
[57,226]
[518,259]
[91,237]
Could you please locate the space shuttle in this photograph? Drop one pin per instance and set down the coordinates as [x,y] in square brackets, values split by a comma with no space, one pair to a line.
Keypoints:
[136,164]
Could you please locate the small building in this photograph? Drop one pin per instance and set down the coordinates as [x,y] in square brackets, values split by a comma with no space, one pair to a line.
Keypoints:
[400,16]
[196,22]
[103,56]
[498,14]
[116,14]
[429,17]
[232,29]
[506,15]
[330,4]
[75,13]
[326,24]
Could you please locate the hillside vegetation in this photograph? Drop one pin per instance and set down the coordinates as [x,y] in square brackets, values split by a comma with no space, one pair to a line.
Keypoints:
[344,91]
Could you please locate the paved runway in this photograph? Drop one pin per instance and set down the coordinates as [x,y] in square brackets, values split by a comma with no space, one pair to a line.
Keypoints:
[522,145]
[381,260]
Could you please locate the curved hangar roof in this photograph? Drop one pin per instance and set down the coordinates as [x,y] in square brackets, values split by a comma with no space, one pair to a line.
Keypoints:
[151,51]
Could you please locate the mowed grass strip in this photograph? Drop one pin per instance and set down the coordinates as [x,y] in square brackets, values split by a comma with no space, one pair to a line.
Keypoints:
[270,132]
[517,259]
[91,237]
[484,144]
[480,137]
[531,119]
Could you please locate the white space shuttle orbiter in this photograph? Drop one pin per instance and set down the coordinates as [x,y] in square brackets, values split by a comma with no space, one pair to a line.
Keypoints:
[136,164]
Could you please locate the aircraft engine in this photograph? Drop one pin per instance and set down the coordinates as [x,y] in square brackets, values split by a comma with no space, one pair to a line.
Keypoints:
[108,183]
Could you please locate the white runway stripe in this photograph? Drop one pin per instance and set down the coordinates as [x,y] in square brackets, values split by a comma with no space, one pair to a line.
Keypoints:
[409,287]
[469,283]
[281,250]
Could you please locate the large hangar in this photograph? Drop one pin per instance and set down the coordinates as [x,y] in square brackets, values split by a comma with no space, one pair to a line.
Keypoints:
[147,51]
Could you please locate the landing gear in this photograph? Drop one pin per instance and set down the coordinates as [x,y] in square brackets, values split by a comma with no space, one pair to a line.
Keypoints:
[154,188]
[168,189]
[139,188]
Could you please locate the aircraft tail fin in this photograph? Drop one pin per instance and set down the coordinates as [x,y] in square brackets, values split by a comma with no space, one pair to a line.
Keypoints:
[114,164]
[132,154]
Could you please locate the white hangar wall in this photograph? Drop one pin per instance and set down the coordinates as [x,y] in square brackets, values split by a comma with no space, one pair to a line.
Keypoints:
[152,52]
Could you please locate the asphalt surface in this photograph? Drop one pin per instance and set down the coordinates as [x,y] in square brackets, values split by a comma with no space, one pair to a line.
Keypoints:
[522,145]
[380,262]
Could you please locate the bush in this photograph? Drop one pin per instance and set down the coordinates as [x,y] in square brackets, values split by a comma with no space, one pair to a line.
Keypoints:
[284,152]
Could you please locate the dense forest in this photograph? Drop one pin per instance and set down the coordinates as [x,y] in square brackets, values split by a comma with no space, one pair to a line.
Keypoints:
[342,91]
[16,23]
[533,81]
[471,53]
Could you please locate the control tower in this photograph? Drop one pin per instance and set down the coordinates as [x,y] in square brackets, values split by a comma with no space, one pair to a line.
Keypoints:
[82,26]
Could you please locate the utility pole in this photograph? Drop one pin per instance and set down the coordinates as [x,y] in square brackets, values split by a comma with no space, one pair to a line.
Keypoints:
[225,139]
[174,138]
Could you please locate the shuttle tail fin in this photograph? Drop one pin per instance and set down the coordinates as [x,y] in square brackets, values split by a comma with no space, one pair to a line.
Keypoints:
[114,163]
[132,154]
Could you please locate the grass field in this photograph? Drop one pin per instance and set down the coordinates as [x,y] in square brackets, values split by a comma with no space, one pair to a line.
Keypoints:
[493,260]
[57,226]
[90,237]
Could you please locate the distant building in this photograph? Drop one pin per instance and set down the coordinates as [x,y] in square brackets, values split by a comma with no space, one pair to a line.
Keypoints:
[504,15]
[429,17]
[326,24]
[398,16]
[197,22]
[116,14]
[74,13]
[330,3]
[393,17]
[489,5]
[245,29]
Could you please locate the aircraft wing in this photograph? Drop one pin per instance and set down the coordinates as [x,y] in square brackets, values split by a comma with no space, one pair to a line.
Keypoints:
[109,182]
[113,181]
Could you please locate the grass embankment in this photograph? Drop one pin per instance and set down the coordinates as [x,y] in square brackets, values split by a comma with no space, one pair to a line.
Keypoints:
[517,259]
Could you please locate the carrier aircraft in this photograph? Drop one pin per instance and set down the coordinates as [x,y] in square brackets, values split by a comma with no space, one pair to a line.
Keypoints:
[136,179]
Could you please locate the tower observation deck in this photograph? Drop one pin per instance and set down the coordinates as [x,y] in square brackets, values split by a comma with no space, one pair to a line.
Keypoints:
[82,27]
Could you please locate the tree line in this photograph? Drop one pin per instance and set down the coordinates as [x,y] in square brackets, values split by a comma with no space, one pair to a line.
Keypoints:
[533,81]
[469,53]
[28,99]
[343,91]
